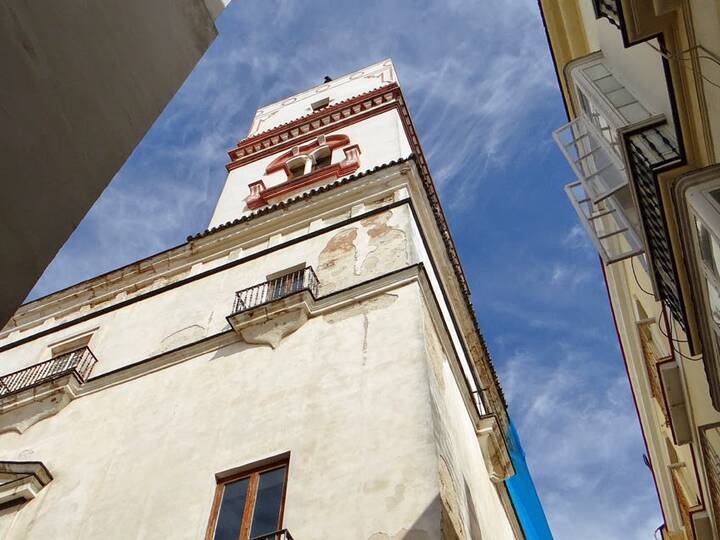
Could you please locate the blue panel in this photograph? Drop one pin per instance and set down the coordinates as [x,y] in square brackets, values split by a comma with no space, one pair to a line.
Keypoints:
[522,492]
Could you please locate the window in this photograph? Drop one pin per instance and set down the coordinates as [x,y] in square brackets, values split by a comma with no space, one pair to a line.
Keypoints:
[249,505]
[288,281]
[602,195]
[705,206]
[322,157]
[71,344]
[298,166]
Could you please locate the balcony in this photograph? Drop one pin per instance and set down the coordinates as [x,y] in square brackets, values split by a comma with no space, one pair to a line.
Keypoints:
[282,534]
[267,312]
[78,363]
[600,196]
[32,394]
[275,289]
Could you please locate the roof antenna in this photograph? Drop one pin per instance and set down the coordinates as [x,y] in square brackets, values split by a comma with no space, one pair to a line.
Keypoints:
[327,79]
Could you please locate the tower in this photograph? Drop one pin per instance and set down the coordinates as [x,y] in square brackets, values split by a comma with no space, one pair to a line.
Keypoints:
[307,367]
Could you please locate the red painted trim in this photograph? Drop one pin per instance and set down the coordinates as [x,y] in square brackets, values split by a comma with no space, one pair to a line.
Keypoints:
[332,141]
[632,391]
[255,199]
[269,148]
[344,168]
[330,109]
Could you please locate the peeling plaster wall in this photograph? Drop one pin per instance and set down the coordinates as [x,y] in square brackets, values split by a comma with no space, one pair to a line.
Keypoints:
[346,394]
[471,506]
[342,257]
[382,446]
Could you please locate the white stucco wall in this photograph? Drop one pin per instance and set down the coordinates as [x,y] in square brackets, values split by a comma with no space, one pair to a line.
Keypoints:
[640,67]
[363,398]
[346,394]
[198,309]
[465,484]
[340,89]
[365,395]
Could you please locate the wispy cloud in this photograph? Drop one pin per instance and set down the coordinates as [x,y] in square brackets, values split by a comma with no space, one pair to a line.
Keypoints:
[581,440]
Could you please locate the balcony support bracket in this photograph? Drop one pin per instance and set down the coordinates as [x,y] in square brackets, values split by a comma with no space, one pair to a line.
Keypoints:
[268,324]
[495,451]
[22,410]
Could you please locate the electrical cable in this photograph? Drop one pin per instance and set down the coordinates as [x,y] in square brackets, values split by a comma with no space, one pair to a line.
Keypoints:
[662,316]
[667,55]
[632,265]
[671,339]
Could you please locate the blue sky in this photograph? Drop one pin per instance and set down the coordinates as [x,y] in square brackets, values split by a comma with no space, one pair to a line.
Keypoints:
[482,91]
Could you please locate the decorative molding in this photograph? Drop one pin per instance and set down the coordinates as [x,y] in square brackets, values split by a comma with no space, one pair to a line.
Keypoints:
[21,481]
[328,119]
[494,448]
[261,196]
[20,411]
[331,141]
[269,323]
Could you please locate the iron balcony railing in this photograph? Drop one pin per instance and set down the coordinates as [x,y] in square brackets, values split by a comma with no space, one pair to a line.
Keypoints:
[79,362]
[282,534]
[274,289]
[609,10]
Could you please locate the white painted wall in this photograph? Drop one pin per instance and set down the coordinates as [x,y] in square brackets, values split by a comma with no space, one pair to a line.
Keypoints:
[640,68]
[366,406]
[346,394]
[198,309]
[340,89]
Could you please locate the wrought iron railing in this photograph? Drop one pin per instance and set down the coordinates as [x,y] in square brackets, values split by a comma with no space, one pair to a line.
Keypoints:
[79,362]
[274,289]
[282,534]
[650,149]
[609,10]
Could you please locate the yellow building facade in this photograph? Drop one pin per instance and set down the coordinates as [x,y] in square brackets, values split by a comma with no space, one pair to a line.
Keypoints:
[641,84]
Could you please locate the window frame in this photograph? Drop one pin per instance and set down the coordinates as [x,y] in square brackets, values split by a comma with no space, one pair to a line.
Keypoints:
[252,473]
[703,207]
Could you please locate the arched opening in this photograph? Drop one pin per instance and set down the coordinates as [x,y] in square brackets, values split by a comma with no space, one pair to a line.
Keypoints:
[322,157]
[298,166]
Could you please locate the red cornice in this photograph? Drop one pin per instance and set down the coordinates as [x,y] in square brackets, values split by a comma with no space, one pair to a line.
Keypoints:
[323,121]
[261,196]
[332,141]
